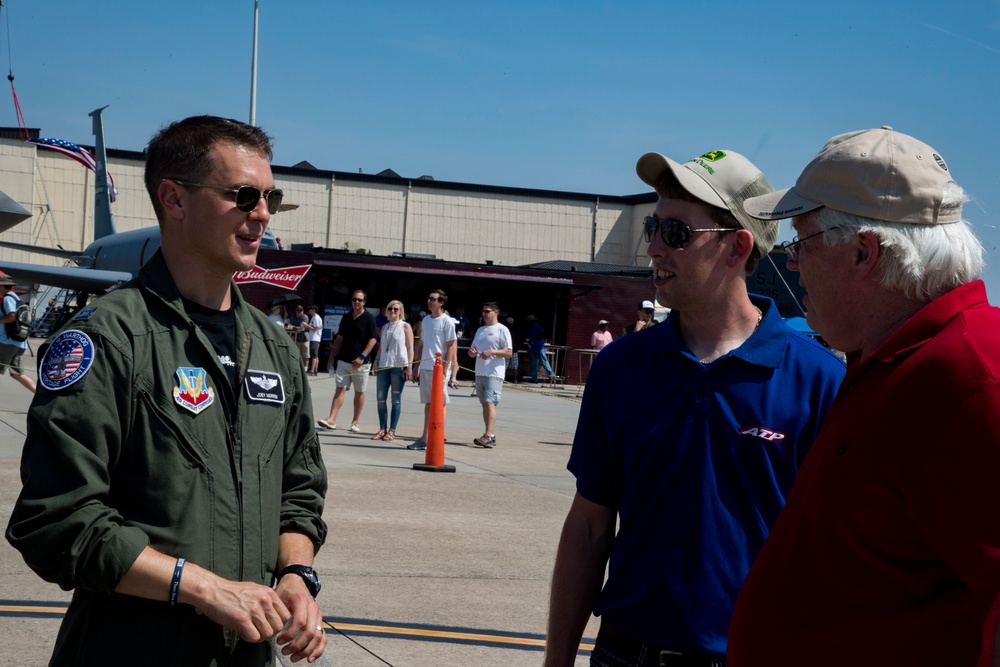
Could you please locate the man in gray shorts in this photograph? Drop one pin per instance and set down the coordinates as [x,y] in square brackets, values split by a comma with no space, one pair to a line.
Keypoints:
[491,347]
[11,350]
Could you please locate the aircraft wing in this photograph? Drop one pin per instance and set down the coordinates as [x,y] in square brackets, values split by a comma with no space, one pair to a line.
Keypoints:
[91,281]
[41,250]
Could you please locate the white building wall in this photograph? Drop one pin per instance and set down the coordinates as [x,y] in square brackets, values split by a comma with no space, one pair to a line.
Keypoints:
[17,181]
[451,224]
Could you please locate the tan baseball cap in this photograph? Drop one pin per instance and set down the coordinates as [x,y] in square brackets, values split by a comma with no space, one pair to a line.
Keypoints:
[719,178]
[879,174]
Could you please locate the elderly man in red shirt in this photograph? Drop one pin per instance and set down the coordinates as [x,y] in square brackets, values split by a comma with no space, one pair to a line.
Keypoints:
[888,551]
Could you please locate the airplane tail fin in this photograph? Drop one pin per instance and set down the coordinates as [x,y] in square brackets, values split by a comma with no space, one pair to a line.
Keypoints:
[104,222]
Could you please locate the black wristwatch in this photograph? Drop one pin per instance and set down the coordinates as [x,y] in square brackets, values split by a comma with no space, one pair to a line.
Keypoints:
[308,575]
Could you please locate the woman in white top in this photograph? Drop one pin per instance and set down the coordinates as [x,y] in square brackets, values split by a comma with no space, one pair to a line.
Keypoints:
[395,356]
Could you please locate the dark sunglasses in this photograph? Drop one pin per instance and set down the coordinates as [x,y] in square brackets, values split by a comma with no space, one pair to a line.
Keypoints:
[247,196]
[392,310]
[432,298]
[674,233]
[359,300]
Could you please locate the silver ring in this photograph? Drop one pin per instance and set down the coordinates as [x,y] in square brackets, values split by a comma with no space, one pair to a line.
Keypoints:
[319,628]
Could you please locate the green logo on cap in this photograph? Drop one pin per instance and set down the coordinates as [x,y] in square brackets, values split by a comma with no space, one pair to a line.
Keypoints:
[714,156]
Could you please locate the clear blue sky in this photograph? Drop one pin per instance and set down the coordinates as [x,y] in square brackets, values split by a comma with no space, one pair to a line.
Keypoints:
[554,95]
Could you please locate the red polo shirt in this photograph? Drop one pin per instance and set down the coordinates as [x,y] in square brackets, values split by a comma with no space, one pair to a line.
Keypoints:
[888,551]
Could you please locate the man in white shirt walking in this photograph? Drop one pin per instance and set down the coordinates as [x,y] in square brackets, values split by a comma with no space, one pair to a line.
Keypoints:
[314,336]
[491,347]
[437,335]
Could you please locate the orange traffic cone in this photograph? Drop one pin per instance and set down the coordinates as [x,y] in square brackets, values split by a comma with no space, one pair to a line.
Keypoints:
[434,458]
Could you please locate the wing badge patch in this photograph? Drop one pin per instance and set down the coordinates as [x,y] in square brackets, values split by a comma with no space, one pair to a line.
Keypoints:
[264,387]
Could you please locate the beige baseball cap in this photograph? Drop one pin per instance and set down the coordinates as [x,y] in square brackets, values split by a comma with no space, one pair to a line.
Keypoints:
[719,178]
[879,174]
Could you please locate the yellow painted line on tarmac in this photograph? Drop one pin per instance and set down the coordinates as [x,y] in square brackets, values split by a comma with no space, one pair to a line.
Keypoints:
[440,634]
[32,609]
[348,627]
[431,633]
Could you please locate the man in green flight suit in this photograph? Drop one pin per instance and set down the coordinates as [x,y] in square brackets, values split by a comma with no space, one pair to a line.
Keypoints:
[171,470]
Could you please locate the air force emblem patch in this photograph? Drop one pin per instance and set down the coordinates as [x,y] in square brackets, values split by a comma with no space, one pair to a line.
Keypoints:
[265,387]
[67,360]
[192,391]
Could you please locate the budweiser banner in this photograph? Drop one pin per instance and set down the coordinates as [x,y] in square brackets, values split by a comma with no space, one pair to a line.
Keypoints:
[288,277]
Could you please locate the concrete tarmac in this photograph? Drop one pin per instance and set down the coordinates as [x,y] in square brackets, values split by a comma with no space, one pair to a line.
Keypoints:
[420,569]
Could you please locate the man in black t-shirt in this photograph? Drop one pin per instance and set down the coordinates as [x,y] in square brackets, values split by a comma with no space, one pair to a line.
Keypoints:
[350,359]
[300,325]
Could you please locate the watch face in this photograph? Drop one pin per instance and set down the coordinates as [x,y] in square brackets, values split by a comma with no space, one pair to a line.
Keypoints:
[308,575]
[313,581]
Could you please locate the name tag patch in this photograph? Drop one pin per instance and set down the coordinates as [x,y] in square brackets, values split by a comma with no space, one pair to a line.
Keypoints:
[264,387]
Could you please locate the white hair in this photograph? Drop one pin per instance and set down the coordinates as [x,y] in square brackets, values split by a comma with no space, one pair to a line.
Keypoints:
[921,262]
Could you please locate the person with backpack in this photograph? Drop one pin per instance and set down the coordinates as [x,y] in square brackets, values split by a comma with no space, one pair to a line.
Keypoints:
[13,334]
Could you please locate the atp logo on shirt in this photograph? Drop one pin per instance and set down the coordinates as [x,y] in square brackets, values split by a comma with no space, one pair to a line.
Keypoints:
[763,433]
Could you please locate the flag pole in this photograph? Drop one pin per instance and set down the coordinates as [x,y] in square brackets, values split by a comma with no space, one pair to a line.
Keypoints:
[253,68]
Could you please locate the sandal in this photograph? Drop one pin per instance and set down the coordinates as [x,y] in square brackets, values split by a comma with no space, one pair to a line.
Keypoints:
[380,435]
[389,435]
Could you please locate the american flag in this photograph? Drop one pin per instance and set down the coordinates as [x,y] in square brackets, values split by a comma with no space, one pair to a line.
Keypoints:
[63,359]
[81,155]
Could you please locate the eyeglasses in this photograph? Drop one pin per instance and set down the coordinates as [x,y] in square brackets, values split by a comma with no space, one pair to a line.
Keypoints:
[393,310]
[247,196]
[675,233]
[432,298]
[356,300]
[486,310]
[791,248]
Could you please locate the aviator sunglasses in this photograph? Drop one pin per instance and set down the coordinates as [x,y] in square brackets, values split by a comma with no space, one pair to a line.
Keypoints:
[247,196]
[674,233]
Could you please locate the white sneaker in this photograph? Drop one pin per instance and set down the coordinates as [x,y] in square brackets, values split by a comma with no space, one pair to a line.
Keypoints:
[354,428]
[327,425]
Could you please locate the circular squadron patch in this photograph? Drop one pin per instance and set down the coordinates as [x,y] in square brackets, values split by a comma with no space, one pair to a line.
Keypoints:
[68,359]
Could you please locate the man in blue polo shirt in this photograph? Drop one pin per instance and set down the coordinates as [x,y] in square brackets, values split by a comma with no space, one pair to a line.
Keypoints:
[695,460]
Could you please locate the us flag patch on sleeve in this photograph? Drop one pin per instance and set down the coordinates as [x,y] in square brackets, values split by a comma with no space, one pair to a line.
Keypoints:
[67,360]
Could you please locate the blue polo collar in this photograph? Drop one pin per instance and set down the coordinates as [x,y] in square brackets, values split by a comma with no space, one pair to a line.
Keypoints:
[766,347]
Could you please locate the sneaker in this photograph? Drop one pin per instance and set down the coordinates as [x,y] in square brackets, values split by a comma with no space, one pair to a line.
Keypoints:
[354,428]
[327,425]
[420,444]
[488,441]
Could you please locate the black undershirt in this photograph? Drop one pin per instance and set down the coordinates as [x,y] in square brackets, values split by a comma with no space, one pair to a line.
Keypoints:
[219,326]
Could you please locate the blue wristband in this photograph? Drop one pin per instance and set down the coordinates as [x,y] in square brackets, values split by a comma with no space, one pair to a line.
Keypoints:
[175,583]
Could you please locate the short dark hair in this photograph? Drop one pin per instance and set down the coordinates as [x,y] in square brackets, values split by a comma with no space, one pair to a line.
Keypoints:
[183,149]
[442,297]
[361,291]
[492,305]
